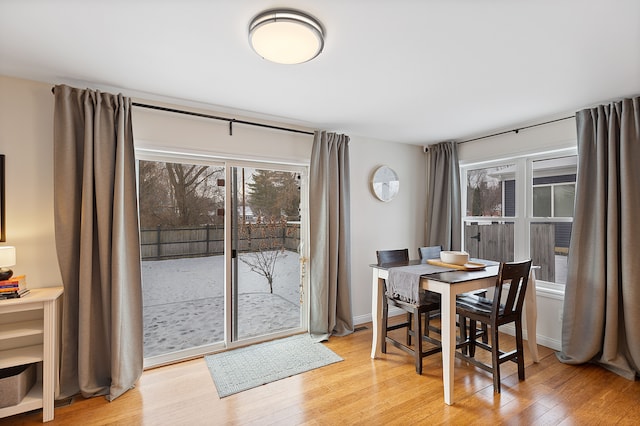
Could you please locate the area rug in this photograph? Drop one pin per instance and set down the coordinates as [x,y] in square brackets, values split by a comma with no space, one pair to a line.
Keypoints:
[245,368]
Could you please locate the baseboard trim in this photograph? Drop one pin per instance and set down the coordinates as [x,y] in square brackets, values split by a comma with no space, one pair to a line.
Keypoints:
[541,340]
[361,319]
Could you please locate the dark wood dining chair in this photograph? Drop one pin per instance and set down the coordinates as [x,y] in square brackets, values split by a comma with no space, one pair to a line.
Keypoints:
[429,252]
[494,313]
[414,311]
[425,253]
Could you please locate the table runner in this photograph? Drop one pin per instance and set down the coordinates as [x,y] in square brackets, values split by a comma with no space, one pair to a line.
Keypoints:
[404,281]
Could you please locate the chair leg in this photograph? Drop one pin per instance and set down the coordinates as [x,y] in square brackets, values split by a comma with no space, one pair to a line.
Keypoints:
[385,324]
[463,334]
[409,327]
[418,334]
[472,338]
[485,333]
[495,359]
[426,324]
[519,349]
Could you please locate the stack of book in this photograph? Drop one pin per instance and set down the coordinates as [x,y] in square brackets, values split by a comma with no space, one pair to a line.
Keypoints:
[14,287]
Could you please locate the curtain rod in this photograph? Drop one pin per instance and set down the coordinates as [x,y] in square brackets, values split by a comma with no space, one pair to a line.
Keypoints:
[517,129]
[215,117]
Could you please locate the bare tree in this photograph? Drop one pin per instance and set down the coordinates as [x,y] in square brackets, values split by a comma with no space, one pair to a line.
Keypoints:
[484,193]
[155,199]
[175,194]
[266,245]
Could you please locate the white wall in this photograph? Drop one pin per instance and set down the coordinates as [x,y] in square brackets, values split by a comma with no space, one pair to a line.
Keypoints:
[26,140]
[376,225]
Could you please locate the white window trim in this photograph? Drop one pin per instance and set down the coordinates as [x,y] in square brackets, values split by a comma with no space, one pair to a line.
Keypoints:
[522,222]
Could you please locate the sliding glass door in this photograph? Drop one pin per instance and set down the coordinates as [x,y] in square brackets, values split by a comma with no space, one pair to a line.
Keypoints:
[222,254]
[267,278]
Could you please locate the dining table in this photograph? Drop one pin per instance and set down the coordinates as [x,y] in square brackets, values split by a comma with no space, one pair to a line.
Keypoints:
[448,283]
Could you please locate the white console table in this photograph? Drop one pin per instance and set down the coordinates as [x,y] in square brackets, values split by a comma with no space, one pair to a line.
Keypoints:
[29,333]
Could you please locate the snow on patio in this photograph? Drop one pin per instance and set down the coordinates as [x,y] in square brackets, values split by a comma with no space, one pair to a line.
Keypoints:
[183,301]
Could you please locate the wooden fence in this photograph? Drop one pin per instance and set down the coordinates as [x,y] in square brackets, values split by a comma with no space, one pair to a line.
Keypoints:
[208,240]
[543,253]
[495,242]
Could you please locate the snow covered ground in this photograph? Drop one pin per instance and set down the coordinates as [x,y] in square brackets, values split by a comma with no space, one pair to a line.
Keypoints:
[183,301]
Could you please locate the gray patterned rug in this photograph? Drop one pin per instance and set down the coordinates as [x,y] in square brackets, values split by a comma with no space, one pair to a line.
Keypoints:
[245,368]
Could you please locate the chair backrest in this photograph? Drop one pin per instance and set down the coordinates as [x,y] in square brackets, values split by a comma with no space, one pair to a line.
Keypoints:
[392,256]
[431,252]
[517,275]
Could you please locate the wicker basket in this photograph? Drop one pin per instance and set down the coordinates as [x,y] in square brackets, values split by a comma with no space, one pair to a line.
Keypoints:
[15,383]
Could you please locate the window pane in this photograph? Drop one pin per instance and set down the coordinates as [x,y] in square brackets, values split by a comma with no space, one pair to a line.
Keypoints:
[182,249]
[487,193]
[542,201]
[510,198]
[554,186]
[563,197]
[549,250]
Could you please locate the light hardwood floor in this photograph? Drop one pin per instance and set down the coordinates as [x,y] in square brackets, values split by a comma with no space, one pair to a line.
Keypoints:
[362,391]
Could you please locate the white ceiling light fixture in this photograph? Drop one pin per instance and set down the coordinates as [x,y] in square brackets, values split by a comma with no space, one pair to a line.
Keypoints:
[286,36]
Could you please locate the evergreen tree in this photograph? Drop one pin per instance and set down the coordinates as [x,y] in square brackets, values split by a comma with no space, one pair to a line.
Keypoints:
[274,193]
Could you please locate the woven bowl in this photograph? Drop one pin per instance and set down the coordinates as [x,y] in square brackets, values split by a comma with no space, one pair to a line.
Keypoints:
[454,257]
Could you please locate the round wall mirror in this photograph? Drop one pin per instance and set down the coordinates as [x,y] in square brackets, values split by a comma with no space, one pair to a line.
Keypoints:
[385,183]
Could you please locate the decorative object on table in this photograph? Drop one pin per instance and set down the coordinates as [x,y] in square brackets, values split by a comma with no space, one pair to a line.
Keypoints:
[245,368]
[14,287]
[385,183]
[458,260]
[469,266]
[7,258]
[494,314]
[454,257]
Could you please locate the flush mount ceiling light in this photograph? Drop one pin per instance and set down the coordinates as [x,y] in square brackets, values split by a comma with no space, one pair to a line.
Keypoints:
[286,36]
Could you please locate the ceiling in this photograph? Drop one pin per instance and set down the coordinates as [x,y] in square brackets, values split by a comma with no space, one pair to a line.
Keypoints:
[411,71]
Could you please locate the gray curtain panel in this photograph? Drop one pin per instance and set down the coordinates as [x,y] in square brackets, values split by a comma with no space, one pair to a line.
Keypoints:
[97,242]
[601,321]
[330,246]
[443,197]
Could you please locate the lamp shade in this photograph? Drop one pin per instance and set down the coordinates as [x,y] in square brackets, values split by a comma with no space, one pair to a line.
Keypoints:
[286,36]
[7,256]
